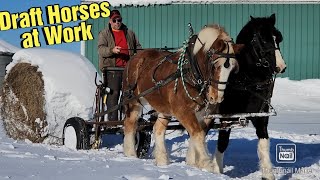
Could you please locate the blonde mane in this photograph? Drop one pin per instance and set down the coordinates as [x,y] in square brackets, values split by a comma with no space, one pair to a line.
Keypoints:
[208,35]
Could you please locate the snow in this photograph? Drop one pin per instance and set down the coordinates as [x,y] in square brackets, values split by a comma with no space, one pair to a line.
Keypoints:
[6,47]
[117,3]
[68,83]
[69,91]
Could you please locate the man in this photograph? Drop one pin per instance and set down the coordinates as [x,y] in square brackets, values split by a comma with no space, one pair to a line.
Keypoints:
[116,44]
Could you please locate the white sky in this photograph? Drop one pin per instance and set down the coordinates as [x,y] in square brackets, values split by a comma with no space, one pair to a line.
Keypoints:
[6,47]
[69,91]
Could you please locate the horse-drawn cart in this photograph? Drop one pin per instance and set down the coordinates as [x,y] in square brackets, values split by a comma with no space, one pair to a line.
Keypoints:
[184,85]
[86,134]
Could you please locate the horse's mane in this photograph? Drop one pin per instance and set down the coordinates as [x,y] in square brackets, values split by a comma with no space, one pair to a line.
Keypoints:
[255,24]
[207,37]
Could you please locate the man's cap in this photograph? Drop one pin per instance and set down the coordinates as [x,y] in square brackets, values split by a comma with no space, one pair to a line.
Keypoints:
[115,14]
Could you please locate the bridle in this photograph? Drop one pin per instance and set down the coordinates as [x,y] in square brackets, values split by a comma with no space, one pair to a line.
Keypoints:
[260,50]
[211,61]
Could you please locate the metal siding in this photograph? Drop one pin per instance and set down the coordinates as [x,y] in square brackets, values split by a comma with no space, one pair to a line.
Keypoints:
[298,32]
[166,25]
[304,42]
[310,42]
[316,45]
[290,57]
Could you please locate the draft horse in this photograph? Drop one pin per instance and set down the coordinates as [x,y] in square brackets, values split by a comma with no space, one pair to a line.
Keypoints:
[194,76]
[250,90]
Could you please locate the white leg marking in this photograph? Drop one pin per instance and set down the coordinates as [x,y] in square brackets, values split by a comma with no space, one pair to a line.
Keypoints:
[218,162]
[201,153]
[130,128]
[264,156]
[160,150]
[191,155]
[129,145]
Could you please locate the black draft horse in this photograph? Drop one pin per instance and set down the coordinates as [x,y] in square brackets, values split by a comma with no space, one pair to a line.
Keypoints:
[251,88]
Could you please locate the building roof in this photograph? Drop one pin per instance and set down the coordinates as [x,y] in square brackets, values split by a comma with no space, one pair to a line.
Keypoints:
[116,3]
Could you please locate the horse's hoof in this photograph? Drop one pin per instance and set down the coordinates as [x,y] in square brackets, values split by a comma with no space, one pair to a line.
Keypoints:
[162,162]
[209,166]
[268,177]
[217,170]
[191,162]
[131,154]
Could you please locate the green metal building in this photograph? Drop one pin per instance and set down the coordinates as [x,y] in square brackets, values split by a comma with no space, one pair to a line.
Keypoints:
[166,25]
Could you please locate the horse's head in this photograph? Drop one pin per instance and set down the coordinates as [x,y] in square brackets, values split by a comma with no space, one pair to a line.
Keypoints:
[215,53]
[262,39]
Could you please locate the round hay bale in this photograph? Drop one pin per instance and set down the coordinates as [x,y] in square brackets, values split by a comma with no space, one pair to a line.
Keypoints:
[22,103]
[42,89]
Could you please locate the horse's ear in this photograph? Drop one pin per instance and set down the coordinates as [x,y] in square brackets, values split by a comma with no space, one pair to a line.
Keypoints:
[219,45]
[237,48]
[252,18]
[273,19]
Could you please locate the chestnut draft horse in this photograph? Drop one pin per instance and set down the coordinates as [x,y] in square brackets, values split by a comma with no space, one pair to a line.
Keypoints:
[194,77]
[250,90]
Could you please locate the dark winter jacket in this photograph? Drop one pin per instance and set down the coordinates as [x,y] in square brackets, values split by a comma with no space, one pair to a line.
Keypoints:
[106,43]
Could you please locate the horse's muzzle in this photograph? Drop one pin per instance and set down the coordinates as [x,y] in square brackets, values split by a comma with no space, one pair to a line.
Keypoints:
[278,70]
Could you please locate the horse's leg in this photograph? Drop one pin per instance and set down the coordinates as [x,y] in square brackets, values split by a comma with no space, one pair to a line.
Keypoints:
[130,127]
[261,125]
[191,154]
[160,151]
[197,151]
[223,142]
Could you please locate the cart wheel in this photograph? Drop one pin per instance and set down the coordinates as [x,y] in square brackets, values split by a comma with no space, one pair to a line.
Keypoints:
[143,140]
[75,134]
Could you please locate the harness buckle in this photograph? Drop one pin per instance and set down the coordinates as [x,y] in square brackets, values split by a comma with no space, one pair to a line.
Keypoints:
[159,83]
[199,81]
[265,63]
[243,121]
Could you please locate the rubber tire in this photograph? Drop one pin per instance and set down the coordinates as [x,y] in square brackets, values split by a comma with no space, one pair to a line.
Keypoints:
[82,134]
[143,140]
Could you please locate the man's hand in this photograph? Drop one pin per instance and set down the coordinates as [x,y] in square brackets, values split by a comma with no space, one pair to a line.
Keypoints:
[116,49]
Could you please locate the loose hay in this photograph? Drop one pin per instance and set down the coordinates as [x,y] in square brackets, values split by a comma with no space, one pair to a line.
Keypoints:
[22,103]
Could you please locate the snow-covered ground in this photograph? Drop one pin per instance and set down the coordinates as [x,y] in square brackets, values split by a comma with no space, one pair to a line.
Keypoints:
[297,104]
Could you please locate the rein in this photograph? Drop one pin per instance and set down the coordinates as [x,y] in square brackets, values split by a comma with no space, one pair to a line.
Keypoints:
[129,94]
[160,49]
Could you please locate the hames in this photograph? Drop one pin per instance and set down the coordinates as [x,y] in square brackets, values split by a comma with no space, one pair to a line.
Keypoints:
[58,34]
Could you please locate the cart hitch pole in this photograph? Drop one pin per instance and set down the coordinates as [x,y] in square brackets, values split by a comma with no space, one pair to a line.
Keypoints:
[241,115]
[165,48]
